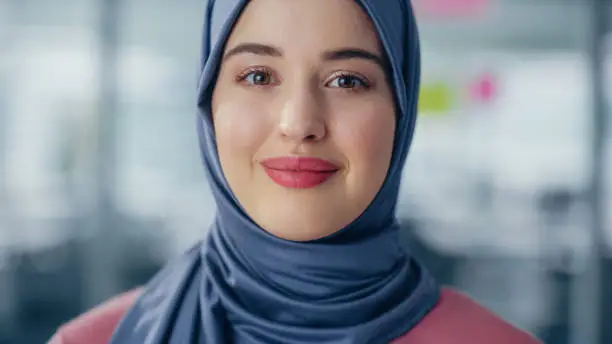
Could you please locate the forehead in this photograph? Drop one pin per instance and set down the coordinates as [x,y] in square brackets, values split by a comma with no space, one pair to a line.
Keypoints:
[305,25]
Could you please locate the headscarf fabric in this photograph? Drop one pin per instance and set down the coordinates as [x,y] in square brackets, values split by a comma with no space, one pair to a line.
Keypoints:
[242,285]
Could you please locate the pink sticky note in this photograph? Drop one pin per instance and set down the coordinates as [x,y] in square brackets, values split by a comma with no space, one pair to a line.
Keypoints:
[451,7]
[484,88]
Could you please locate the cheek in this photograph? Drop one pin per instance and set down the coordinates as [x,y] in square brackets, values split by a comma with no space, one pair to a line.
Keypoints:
[367,141]
[240,129]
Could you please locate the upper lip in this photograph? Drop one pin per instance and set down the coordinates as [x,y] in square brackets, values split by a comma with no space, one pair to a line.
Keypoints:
[299,164]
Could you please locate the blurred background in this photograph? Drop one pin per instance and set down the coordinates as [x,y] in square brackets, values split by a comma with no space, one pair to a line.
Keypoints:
[506,194]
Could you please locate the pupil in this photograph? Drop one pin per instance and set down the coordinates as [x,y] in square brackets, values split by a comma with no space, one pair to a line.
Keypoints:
[260,78]
[345,82]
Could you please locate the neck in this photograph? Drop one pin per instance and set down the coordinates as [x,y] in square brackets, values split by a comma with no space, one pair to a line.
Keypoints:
[283,280]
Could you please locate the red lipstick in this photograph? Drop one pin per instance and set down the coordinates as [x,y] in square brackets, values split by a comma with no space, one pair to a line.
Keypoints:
[299,172]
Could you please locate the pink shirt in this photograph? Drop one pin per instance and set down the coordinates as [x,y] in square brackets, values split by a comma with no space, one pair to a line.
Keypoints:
[455,320]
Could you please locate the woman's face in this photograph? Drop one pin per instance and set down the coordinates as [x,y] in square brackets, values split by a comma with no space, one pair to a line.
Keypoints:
[304,116]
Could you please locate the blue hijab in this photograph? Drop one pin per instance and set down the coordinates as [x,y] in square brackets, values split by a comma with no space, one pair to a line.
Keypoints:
[243,285]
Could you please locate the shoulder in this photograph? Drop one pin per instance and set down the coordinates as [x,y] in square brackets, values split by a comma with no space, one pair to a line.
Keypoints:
[457,319]
[97,325]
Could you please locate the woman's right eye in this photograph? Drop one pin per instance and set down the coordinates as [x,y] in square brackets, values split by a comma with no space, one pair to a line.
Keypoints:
[257,78]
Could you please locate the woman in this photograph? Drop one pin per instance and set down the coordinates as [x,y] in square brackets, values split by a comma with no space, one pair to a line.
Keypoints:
[307,110]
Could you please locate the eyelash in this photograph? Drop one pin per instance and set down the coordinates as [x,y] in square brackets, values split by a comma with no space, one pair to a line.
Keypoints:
[360,79]
[242,77]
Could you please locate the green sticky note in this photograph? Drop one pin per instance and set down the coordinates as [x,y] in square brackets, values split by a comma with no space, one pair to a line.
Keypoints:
[435,98]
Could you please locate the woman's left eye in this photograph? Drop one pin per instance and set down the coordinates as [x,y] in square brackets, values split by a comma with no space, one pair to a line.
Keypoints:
[348,81]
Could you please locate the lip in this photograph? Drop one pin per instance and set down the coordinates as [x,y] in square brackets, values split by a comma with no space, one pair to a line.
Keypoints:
[299,172]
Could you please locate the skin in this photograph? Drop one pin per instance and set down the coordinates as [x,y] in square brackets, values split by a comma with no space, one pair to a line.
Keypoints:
[304,78]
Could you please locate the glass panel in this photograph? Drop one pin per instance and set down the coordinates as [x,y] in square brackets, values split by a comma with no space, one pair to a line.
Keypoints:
[47,114]
[160,175]
[501,159]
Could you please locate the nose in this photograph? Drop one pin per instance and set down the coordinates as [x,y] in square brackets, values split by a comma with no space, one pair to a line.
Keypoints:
[301,117]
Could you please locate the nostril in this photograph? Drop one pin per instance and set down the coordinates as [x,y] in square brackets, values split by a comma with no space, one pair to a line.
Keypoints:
[311,137]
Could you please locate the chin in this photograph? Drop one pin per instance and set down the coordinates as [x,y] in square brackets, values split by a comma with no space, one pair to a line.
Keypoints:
[301,227]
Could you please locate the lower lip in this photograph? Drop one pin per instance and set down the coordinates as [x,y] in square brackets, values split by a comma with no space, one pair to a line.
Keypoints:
[298,179]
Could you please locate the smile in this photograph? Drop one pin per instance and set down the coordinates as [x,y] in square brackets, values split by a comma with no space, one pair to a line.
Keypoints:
[299,172]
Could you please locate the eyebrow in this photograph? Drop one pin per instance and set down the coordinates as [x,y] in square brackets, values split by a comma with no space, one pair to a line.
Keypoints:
[253,48]
[354,53]
[332,55]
